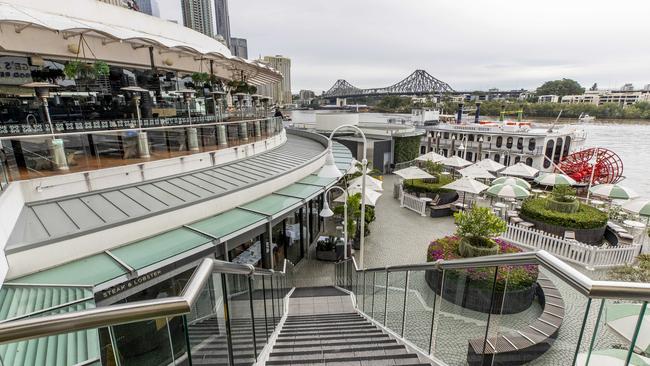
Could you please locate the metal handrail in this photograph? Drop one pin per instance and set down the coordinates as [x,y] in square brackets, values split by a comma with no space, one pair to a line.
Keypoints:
[100,317]
[109,131]
[593,289]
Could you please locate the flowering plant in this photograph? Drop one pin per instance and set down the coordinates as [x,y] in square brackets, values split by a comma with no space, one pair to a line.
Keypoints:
[508,277]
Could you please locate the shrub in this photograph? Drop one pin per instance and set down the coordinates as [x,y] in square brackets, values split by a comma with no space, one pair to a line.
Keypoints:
[639,273]
[586,217]
[512,277]
[563,193]
[479,225]
[420,186]
[560,206]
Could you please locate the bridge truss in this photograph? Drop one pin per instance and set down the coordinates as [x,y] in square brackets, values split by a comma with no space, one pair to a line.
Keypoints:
[419,82]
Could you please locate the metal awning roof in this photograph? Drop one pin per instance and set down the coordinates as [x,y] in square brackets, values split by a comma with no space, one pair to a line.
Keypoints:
[42,222]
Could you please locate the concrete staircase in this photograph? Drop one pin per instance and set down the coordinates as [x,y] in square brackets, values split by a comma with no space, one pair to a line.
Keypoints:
[335,338]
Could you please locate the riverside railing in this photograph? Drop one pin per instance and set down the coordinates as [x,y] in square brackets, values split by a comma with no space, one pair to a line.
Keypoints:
[41,155]
[224,315]
[480,311]
[589,256]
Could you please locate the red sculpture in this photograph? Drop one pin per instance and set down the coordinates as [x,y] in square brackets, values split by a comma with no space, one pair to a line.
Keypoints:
[607,167]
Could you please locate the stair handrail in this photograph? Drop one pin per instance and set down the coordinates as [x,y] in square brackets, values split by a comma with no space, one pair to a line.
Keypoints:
[597,289]
[31,328]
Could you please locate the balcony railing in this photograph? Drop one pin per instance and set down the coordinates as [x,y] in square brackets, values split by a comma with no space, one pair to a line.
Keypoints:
[469,311]
[225,315]
[105,144]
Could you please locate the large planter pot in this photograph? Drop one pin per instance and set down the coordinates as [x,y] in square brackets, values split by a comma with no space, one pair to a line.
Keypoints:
[587,236]
[467,250]
[326,255]
[462,291]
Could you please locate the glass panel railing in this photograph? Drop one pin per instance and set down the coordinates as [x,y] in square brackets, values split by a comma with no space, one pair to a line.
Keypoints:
[262,329]
[420,304]
[395,301]
[242,328]
[143,343]
[380,291]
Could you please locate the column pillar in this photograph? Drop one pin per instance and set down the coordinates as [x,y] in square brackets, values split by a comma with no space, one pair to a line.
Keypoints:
[222,138]
[243,131]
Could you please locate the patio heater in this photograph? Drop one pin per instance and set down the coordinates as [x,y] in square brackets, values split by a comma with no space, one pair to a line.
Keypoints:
[453,142]
[265,104]
[327,212]
[57,150]
[258,126]
[243,127]
[143,144]
[192,135]
[222,139]
[330,170]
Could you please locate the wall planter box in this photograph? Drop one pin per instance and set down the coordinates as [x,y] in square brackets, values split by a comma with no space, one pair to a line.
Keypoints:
[587,236]
[461,291]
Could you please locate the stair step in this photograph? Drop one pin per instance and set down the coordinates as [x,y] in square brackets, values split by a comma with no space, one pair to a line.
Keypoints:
[386,340]
[352,357]
[328,328]
[342,349]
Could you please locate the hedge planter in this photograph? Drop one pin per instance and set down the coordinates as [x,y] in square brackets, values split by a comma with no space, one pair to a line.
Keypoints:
[587,236]
[473,295]
[564,207]
[467,250]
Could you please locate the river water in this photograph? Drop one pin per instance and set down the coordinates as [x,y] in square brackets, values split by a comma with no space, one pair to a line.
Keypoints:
[629,139]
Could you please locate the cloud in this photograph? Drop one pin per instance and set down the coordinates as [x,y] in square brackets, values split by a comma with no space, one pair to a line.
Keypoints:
[469,44]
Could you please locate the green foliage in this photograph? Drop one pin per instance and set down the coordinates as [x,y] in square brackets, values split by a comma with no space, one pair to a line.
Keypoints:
[479,225]
[237,86]
[394,104]
[200,78]
[47,74]
[563,193]
[84,70]
[616,213]
[354,213]
[420,186]
[406,148]
[432,168]
[638,273]
[586,217]
[560,87]
[101,68]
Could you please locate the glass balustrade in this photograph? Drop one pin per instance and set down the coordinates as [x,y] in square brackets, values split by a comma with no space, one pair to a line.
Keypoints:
[515,313]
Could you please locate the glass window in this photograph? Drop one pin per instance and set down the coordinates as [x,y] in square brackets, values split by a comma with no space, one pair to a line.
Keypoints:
[520,143]
[529,161]
[509,142]
[499,141]
[549,153]
[294,250]
[497,158]
[531,144]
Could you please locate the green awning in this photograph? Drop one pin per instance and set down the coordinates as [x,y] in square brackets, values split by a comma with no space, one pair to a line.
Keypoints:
[272,204]
[314,179]
[88,271]
[149,251]
[228,222]
[298,190]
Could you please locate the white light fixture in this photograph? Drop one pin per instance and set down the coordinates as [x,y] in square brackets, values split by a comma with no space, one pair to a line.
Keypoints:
[330,170]
[326,211]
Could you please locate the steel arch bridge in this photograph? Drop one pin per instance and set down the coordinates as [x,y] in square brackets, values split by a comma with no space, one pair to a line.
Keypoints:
[419,82]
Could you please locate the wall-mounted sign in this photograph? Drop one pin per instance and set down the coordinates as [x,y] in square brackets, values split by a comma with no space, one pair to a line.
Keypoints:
[15,70]
[112,291]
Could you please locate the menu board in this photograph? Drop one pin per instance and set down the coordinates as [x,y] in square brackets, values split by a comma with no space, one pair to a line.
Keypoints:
[14,70]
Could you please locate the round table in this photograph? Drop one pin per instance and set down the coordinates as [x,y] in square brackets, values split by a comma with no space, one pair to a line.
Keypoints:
[597,202]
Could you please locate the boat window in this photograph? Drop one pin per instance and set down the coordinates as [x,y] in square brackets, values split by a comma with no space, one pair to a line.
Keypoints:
[499,141]
[445,135]
[558,150]
[497,158]
[531,144]
[549,153]
[520,143]
[509,142]
[489,138]
[567,146]
[529,161]
[517,159]
[470,137]
[469,156]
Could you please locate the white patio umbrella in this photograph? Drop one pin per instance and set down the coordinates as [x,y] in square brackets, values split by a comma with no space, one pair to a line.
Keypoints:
[474,171]
[371,183]
[508,191]
[553,179]
[413,172]
[431,156]
[466,185]
[370,198]
[638,206]
[512,180]
[490,165]
[455,162]
[520,170]
[610,357]
[613,191]
[623,318]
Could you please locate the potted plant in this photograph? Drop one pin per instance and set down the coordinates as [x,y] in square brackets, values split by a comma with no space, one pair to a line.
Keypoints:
[476,229]
[85,70]
[563,199]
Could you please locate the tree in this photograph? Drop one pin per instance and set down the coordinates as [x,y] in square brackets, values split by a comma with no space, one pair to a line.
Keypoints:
[560,87]
[594,87]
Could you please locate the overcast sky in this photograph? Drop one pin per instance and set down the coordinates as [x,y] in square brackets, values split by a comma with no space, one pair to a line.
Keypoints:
[470,44]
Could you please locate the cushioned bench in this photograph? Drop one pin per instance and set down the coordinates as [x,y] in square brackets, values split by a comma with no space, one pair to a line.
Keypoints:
[524,345]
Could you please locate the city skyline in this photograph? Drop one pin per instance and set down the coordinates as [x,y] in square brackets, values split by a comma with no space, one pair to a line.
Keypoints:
[467,44]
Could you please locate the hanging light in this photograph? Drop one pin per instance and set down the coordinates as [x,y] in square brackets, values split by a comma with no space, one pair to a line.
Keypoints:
[326,211]
[330,170]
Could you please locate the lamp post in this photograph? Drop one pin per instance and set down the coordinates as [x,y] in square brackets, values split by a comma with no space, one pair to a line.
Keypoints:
[57,149]
[192,136]
[143,145]
[480,149]
[216,99]
[329,170]
[327,212]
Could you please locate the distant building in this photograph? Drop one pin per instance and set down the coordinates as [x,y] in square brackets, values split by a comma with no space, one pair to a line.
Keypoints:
[222,20]
[600,97]
[306,96]
[627,87]
[280,92]
[646,87]
[197,14]
[239,47]
[548,98]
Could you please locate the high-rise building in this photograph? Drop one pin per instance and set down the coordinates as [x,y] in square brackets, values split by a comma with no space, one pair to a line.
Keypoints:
[222,20]
[239,47]
[197,14]
[281,92]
